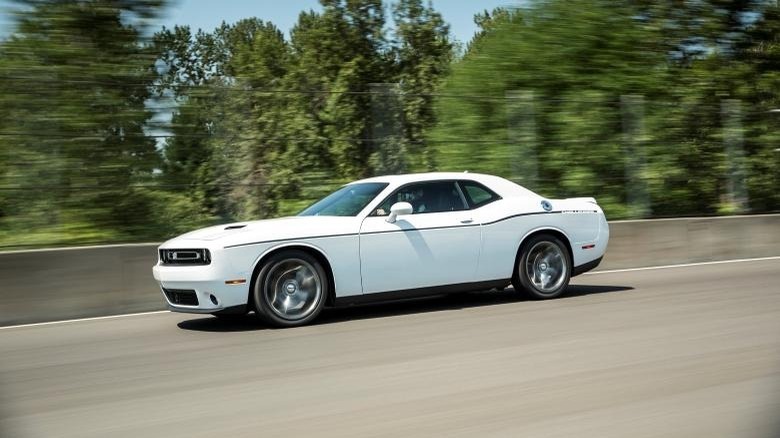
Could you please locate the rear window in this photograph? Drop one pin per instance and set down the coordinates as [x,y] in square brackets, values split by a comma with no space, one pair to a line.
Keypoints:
[476,194]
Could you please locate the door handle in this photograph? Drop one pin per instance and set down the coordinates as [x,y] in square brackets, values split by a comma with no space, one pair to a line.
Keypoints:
[466,221]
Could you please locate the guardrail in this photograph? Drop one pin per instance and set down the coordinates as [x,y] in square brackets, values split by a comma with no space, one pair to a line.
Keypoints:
[653,242]
[57,284]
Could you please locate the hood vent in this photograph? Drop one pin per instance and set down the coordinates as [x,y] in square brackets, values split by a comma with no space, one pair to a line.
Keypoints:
[235,227]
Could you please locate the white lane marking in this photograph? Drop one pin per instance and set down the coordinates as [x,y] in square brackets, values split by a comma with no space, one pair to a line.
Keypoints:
[683,265]
[94,318]
[758,259]
[73,248]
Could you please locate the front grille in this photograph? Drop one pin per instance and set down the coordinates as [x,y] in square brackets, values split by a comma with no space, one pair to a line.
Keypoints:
[186,297]
[185,257]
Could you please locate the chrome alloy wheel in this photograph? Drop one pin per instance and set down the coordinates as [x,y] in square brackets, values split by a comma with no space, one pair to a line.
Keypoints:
[546,267]
[292,289]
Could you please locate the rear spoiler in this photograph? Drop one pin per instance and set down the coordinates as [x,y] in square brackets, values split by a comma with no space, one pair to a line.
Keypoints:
[585,199]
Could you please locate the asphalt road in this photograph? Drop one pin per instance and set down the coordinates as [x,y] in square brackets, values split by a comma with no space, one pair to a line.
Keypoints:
[688,352]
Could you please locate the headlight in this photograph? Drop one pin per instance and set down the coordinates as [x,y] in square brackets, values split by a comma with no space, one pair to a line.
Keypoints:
[185,257]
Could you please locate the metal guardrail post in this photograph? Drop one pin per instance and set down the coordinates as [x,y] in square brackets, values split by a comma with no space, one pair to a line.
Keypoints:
[637,195]
[733,144]
[389,151]
[521,133]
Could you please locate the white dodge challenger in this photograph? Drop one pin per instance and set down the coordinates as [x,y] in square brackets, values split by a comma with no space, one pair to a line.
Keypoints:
[385,238]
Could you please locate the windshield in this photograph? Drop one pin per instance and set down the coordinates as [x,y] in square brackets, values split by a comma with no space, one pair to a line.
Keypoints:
[346,201]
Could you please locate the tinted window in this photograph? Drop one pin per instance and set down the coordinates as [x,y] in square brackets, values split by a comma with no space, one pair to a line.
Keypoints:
[346,201]
[427,197]
[477,195]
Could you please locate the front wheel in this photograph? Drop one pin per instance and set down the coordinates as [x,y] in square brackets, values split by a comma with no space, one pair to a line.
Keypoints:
[544,267]
[290,289]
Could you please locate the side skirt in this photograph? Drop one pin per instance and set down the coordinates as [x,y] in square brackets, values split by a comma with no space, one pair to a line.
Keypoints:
[419,292]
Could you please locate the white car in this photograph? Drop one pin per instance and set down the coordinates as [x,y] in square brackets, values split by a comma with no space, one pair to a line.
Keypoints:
[385,238]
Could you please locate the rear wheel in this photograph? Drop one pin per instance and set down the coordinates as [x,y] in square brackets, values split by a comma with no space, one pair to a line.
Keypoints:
[544,267]
[290,289]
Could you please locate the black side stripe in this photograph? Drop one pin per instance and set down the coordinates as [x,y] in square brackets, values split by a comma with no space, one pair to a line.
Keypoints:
[519,215]
[393,231]
[411,230]
[325,236]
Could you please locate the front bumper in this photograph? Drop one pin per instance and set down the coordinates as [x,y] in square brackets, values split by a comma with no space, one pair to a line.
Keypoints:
[208,285]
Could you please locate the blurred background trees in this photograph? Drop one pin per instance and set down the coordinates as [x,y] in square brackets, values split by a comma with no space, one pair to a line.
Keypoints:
[627,101]
[110,132]
[74,82]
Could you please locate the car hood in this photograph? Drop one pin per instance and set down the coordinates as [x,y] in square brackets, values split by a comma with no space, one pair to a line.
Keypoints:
[293,227]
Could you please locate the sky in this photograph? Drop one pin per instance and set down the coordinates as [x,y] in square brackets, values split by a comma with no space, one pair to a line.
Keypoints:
[208,14]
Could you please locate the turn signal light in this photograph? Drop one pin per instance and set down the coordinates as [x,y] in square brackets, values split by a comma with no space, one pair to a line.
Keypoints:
[236,281]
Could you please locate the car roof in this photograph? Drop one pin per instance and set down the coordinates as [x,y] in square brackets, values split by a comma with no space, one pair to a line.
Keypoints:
[503,187]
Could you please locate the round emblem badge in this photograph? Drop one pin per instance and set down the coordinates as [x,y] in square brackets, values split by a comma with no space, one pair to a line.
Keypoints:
[546,205]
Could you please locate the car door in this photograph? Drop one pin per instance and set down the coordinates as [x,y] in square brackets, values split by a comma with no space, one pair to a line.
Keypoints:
[438,244]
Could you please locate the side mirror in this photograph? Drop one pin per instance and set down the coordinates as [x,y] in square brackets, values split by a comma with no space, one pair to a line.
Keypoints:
[398,209]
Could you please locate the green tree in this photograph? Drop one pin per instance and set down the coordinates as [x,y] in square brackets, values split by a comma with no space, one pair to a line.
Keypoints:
[251,144]
[273,118]
[423,52]
[213,156]
[75,79]
[339,52]
[575,60]
[758,79]
[582,62]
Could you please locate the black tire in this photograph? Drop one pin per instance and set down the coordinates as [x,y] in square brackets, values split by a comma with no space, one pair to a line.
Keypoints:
[291,278]
[543,267]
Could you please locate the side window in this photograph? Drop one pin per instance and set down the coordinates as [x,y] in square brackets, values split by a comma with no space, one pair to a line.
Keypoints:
[477,195]
[426,197]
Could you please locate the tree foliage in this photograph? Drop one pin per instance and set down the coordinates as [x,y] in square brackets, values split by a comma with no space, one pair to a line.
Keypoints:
[109,132]
[74,81]
[283,120]
[622,100]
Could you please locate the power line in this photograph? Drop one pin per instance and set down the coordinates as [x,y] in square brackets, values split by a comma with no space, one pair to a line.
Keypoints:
[234,138]
[318,184]
[213,88]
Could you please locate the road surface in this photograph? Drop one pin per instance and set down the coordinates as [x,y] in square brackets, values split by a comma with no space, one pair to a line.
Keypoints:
[680,352]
